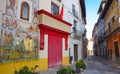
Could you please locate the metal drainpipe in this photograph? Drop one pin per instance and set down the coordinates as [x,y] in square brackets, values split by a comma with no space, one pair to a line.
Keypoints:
[83,52]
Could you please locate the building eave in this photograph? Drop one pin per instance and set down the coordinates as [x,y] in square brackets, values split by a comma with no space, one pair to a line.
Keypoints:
[106,8]
[83,8]
[100,8]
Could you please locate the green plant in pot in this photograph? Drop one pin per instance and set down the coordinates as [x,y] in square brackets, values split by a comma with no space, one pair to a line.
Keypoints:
[65,70]
[80,65]
[26,70]
[77,64]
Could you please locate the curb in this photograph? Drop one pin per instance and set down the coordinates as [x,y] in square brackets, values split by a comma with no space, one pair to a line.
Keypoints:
[116,65]
[112,62]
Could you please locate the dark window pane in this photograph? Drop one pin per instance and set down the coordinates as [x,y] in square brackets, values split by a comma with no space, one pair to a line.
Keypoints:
[55,9]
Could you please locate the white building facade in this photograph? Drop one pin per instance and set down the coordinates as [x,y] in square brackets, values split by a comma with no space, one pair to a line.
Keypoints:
[73,14]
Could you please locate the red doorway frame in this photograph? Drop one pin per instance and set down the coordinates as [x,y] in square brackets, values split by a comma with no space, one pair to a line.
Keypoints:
[44,29]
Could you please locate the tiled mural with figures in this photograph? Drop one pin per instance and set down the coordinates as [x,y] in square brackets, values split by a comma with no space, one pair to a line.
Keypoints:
[18,42]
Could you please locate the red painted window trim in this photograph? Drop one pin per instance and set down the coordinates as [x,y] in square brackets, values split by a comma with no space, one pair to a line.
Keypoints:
[44,29]
[52,16]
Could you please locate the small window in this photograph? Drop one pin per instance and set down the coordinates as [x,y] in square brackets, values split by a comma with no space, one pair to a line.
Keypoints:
[25,11]
[55,9]
[75,23]
[74,26]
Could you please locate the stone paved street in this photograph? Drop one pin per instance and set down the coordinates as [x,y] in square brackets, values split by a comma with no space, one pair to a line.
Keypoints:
[95,65]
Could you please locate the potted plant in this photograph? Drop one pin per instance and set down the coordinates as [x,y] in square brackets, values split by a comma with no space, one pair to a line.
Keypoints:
[65,70]
[26,70]
[80,65]
[70,71]
[77,64]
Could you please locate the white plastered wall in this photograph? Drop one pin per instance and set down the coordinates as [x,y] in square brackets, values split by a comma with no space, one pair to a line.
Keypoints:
[71,45]
[2,11]
[19,11]
[44,53]
[3,6]
[69,17]
[65,53]
[45,4]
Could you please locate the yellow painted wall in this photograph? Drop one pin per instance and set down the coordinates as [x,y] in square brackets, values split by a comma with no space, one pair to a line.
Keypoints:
[9,68]
[65,53]
[112,11]
[65,60]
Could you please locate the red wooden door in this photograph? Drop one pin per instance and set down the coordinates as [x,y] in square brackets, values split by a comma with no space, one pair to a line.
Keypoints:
[54,51]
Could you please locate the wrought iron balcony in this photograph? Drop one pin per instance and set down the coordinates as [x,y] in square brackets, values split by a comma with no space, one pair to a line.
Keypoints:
[75,13]
[76,33]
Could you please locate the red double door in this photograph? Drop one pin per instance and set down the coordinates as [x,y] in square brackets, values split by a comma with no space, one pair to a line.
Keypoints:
[54,51]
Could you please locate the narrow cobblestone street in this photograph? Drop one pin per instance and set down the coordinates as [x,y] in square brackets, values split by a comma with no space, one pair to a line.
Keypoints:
[95,65]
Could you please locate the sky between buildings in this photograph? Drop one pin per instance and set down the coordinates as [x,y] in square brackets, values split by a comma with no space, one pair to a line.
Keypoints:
[92,16]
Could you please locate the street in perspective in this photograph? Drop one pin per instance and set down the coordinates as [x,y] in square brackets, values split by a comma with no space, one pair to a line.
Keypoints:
[97,65]
[94,65]
[59,36]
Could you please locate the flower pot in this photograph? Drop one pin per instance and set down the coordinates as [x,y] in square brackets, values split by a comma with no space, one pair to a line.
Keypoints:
[58,72]
[82,71]
[34,73]
[77,69]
